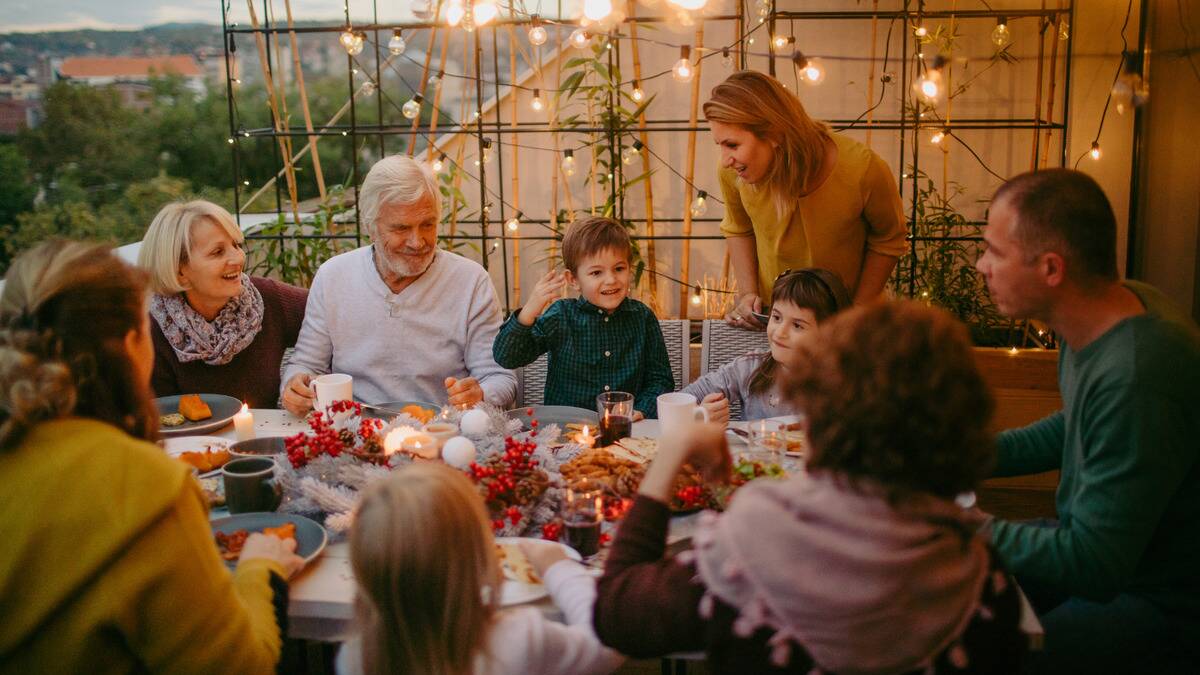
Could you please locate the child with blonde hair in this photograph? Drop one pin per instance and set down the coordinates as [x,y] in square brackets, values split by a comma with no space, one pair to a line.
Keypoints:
[429,589]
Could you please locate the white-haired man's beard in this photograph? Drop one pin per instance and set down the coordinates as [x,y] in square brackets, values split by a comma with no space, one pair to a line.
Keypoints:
[406,262]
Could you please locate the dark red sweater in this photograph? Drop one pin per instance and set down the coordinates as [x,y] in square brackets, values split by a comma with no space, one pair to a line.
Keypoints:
[647,606]
[253,375]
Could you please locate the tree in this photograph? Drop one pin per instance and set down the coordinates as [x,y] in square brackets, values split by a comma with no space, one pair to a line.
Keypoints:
[17,192]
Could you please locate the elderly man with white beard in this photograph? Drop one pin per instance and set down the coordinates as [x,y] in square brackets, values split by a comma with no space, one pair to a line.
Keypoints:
[406,320]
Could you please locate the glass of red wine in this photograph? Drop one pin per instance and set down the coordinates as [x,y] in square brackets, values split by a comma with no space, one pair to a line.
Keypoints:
[616,416]
[583,511]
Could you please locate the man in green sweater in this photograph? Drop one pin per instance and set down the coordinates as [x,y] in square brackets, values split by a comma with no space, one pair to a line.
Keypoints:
[1116,580]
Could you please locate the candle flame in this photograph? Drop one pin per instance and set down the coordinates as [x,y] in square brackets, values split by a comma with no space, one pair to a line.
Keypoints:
[245,408]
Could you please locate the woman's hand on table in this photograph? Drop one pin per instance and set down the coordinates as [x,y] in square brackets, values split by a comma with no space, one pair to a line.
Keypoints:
[702,445]
[742,314]
[542,555]
[718,408]
[464,393]
[269,547]
[298,395]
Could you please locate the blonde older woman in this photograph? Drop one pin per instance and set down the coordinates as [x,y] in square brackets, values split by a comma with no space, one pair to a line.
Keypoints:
[798,195]
[216,330]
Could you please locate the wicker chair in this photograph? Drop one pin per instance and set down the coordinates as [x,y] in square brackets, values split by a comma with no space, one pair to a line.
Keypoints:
[531,380]
[724,343]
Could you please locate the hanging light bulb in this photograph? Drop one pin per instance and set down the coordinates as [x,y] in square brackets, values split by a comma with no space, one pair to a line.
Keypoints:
[435,80]
[485,11]
[513,224]
[726,57]
[439,163]
[929,85]
[631,152]
[597,10]
[1064,31]
[920,30]
[1000,34]
[347,39]
[1095,151]
[689,4]
[397,44]
[683,70]
[568,162]
[537,33]
[579,38]
[810,69]
[412,107]
[485,152]
[1130,90]
[468,20]
[455,13]
[368,88]
[700,206]
[421,9]
[781,41]
[537,103]
[637,94]
[763,9]
[938,136]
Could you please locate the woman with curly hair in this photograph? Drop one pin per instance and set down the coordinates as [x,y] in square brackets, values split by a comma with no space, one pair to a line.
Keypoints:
[108,563]
[862,564]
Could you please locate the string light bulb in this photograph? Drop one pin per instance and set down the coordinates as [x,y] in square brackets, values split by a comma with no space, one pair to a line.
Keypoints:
[763,9]
[352,41]
[700,206]
[568,162]
[810,69]
[412,107]
[397,45]
[579,38]
[637,94]
[537,33]
[689,4]
[455,13]
[439,163]
[929,85]
[1130,90]
[1000,34]
[514,223]
[631,152]
[683,70]
[780,41]
[435,80]
[938,136]
[421,9]
[920,30]
[487,150]
[1064,31]
[1095,151]
[368,88]
[597,10]
[726,58]
[484,11]
[536,103]
[696,296]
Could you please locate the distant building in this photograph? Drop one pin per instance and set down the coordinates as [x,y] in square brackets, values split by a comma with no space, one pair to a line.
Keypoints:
[17,115]
[130,75]
[19,88]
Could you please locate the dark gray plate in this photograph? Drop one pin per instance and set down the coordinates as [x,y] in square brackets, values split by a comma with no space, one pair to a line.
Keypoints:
[389,409]
[562,415]
[310,537]
[223,409]
[258,447]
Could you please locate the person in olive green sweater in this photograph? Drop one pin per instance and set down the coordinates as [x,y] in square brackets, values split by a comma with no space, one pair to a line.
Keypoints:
[1116,580]
[108,563]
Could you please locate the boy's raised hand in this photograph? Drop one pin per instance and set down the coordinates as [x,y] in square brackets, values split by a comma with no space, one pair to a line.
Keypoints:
[547,290]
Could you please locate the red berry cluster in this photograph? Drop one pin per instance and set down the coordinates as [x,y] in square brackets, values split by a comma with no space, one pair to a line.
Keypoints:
[690,497]
[509,480]
[324,439]
[369,428]
[552,530]
[346,406]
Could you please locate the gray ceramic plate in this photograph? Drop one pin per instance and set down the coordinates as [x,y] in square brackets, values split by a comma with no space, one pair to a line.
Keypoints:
[562,415]
[223,409]
[310,537]
[389,409]
[258,447]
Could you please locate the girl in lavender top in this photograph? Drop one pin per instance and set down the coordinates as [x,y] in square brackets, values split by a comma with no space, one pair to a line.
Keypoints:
[801,299]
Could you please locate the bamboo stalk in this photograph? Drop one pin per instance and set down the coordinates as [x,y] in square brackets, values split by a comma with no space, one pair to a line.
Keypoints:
[686,260]
[552,247]
[871,72]
[289,169]
[416,123]
[308,125]
[462,115]
[516,166]
[651,280]
[437,100]
[281,93]
[1052,85]
[945,145]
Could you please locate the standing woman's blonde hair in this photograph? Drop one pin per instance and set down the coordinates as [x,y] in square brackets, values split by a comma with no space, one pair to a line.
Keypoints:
[423,553]
[66,310]
[763,106]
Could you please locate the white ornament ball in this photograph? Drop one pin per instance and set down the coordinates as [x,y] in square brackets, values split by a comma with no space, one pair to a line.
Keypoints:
[475,423]
[458,452]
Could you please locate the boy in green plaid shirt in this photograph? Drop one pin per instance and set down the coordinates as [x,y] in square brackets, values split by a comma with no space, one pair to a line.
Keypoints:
[601,341]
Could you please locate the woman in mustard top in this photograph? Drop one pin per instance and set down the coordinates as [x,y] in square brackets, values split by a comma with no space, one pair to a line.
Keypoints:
[108,563]
[797,195]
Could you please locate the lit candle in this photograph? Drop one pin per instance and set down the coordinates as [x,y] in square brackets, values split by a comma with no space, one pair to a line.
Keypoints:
[394,440]
[441,432]
[243,424]
[585,438]
[420,445]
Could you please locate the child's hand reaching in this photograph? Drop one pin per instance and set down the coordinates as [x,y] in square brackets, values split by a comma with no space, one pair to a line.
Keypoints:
[547,290]
[717,406]
[542,556]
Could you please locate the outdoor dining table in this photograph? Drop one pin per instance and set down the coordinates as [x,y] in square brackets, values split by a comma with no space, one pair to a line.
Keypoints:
[321,597]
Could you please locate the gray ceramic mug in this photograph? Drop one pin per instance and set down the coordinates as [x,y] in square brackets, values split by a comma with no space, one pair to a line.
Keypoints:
[250,485]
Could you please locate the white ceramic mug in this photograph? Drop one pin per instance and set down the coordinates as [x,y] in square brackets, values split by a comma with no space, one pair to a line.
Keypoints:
[332,387]
[677,410]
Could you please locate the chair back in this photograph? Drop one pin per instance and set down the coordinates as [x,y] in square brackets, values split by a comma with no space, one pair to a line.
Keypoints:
[722,344]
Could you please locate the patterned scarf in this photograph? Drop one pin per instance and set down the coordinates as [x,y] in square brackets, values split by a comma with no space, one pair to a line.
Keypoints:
[195,339]
[862,586]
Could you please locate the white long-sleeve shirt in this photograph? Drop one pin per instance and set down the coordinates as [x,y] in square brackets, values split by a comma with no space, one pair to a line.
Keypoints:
[402,346]
[523,641]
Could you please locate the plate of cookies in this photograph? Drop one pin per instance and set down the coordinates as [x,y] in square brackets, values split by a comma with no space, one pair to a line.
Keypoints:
[186,414]
[206,454]
[521,582]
